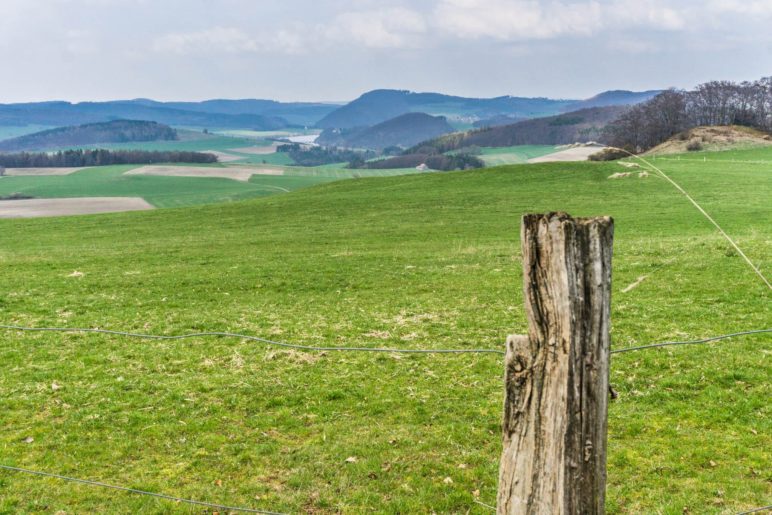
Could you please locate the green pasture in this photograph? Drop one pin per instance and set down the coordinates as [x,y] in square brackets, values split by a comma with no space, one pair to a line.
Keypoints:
[428,260]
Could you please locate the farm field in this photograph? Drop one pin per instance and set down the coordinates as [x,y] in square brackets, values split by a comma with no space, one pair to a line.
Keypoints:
[419,261]
[112,181]
[189,187]
[495,156]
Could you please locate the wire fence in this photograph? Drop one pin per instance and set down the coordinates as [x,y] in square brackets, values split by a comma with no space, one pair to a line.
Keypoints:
[307,348]
[390,350]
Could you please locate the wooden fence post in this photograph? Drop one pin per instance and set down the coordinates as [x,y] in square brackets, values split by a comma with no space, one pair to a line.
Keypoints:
[557,377]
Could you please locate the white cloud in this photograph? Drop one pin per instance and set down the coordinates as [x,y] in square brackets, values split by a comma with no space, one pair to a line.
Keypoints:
[530,19]
[382,28]
[516,20]
[216,39]
[397,27]
[751,7]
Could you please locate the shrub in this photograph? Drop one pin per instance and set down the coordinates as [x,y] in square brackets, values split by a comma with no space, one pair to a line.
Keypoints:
[694,146]
[608,154]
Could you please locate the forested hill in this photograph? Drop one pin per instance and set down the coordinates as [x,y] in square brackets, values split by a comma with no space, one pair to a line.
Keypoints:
[615,98]
[403,131]
[118,131]
[577,126]
[383,104]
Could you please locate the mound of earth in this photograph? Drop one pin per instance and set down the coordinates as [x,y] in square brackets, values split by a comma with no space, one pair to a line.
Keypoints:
[712,138]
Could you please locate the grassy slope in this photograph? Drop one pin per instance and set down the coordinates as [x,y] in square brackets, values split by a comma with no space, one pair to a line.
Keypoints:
[495,156]
[427,260]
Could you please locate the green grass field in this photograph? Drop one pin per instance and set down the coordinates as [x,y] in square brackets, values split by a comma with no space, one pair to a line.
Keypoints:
[495,156]
[110,181]
[758,153]
[420,261]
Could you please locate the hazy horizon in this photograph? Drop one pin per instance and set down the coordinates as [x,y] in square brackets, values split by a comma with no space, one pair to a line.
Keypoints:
[299,50]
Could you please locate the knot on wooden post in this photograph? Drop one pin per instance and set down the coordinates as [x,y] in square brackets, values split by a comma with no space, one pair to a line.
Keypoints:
[555,408]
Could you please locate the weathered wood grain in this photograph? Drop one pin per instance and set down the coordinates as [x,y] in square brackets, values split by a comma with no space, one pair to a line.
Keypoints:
[555,408]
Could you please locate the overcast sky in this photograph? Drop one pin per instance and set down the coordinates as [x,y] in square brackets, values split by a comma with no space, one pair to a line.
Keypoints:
[337,49]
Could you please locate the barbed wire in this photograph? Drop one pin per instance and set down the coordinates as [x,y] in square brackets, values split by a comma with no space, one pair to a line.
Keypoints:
[135,491]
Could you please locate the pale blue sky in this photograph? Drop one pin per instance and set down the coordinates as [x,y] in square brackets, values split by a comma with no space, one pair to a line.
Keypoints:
[337,49]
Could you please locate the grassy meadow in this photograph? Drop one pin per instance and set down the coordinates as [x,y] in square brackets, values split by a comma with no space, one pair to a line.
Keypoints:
[417,261]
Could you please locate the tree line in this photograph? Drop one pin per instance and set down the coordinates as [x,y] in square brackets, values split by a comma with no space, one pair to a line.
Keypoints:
[317,156]
[100,157]
[650,123]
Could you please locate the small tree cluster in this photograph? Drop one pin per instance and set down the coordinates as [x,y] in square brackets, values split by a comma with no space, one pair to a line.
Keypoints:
[714,103]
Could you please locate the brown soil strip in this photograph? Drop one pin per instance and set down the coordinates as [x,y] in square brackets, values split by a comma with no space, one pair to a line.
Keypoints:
[33,208]
[258,151]
[233,172]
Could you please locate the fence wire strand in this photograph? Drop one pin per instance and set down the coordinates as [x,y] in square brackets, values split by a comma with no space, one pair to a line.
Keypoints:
[135,491]
[757,510]
[300,347]
[691,342]
[704,213]
[253,338]
[343,348]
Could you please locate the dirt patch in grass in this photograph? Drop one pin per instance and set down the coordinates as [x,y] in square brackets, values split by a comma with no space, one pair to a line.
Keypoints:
[233,172]
[579,153]
[34,172]
[33,208]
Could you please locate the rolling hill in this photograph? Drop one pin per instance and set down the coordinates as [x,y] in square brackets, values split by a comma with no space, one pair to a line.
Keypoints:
[403,131]
[119,131]
[296,113]
[380,105]
[615,98]
[578,126]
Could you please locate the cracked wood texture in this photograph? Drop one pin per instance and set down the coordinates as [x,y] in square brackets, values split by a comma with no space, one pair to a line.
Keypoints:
[556,377]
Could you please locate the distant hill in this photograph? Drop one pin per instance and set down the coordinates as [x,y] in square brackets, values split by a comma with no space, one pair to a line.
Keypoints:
[498,120]
[615,98]
[65,114]
[577,126]
[403,131]
[380,105]
[119,131]
[296,113]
